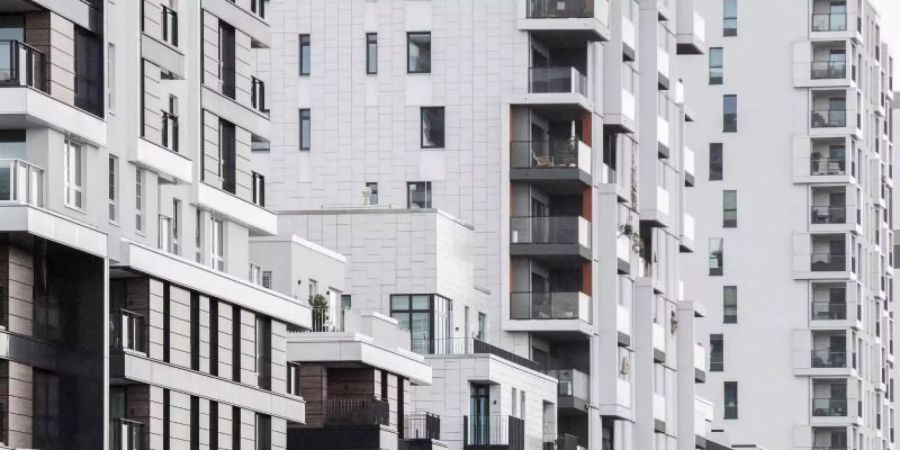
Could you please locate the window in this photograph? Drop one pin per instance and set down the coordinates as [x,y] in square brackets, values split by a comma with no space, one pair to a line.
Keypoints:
[267,279]
[195,420]
[89,82]
[74,174]
[428,319]
[293,378]
[170,125]
[213,425]
[313,288]
[305,129]
[729,113]
[236,343]
[729,18]
[482,327]
[371,53]
[263,432]
[165,233]
[255,275]
[715,256]
[432,125]
[46,407]
[716,353]
[170,24]
[139,200]
[195,331]
[258,7]
[264,352]
[198,236]
[213,339]
[729,304]
[113,193]
[227,60]
[304,55]
[259,189]
[176,226]
[716,72]
[715,162]
[418,52]
[236,423]
[373,193]
[731,400]
[227,156]
[729,209]
[111,77]
[418,194]
[217,244]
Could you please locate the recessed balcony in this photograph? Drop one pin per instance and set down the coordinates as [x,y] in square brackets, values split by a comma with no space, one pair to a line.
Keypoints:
[560,92]
[557,166]
[835,19]
[574,388]
[565,22]
[558,315]
[553,238]
[834,113]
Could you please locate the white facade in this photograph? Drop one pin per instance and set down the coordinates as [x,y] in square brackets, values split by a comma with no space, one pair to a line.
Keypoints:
[793,261]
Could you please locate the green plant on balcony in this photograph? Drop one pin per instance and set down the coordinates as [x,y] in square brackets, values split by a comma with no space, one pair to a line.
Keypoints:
[319,304]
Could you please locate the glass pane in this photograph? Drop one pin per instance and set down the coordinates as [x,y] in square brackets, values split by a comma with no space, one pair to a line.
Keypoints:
[400,302]
[421,302]
[420,328]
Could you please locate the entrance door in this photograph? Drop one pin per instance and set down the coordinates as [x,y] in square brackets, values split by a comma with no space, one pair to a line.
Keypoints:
[479,415]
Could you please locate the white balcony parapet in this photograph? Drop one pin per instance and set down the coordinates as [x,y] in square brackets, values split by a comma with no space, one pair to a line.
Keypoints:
[628,106]
[662,130]
[584,232]
[662,200]
[22,182]
[662,60]
[688,160]
[699,357]
[688,229]
[659,337]
[623,320]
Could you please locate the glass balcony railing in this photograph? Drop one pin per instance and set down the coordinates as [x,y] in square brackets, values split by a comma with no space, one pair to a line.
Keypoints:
[22,65]
[127,435]
[544,80]
[826,166]
[128,330]
[572,383]
[550,306]
[827,70]
[560,9]
[829,118]
[550,230]
[829,22]
[468,346]
[21,182]
[826,214]
[825,262]
[828,359]
[829,407]
[829,311]
[551,154]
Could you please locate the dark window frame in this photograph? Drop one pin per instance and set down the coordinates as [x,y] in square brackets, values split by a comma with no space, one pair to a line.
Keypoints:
[716,161]
[730,412]
[729,119]
[371,53]
[305,114]
[305,51]
[427,185]
[720,270]
[438,112]
[716,353]
[409,68]
[719,69]
[729,22]
[729,213]
[729,304]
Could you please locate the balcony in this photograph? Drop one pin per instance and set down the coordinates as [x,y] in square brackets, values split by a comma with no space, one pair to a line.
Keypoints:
[827,167]
[556,80]
[21,182]
[691,39]
[493,433]
[830,438]
[551,238]
[828,262]
[662,67]
[828,118]
[558,166]
[826,214]
[127,435]
[829,310]
[688,166]
[22,65]
[550,306]
[659,343]
[356,411]
[829,22]
[829,407]
[567,22]
[687,243]
[128,331]
[828,70]
[828,359]
[468,346]
[561,442]
[421,426]
[574,388]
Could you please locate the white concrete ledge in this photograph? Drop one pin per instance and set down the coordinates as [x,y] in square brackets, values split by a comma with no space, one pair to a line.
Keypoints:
[256,217]
[163,55]
[18,217]
[236,113]
[246,21]
[184,272]
[162,160]
[23,107]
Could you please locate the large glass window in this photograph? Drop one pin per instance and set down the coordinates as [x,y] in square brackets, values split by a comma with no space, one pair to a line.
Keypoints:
[716,65]
[715,162]
[46,404]
[716,256]
[731,400]
[729,209]
[428,317]
[305,55]
[418,194]
[729,18]
[432,125]
[729,113]
[74,174]
[371,53]
[729,304]
[716,353]
[418,52]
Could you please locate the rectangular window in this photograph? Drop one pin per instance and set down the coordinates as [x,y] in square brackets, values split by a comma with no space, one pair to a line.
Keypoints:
[716,66]
[258,7]
[482,327]
[217,244]
[264,352]
[716,353]
[428,318]
[46,407]
[729,114]
[164,239]
[113,194]
[373,193]
[213,338]
[371,53]
[227,156]
[716,259]
[227,60]
[263,432]
[88,64]
[170,125]
[418,52]
[715,162]
[729,18]
[305,55]
[259,189]
[305,129]
[235,343]
[111,77]
[139,200]
[235,427]
[170,25]
[195,422]
[731,400]
[176,226]
[729,209]
[74,174]
[729,304]
[418,194]
[195,331]
[293,378]
[213,425]
[432,126]
[166,420]
[198,236]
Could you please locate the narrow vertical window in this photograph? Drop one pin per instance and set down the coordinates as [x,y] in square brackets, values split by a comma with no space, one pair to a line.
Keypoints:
[731,400]
[227,59]
[176,226]
[198,236]
[716,353]
[217,244]
[373,193]
[729,18]
[305,55]
[715,162]
[371,53]
[170,124]
[259,189]
[236,343]
[729,113]
[293,378]
[139,200]
[228,156]
[729,209]
[164,232]
[418,194]
[418,52]
[432,127]
[74,174]
[729,304]
[213,425]
[716,66]
[111,77]
[113,193]
[235,427]
[213,338]
[716,257]
[305,129]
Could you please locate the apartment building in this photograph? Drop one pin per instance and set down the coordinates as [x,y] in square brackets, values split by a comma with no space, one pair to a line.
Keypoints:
[132,314]
[553,134]
[794,263]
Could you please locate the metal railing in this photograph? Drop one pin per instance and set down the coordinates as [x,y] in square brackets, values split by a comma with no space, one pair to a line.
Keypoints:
[560,9]
[468,346]
[829,22]
[128,330]
[828,118]
[561,442]
[22,65]
[542,80]
[488,431]
[21,182]
[126,435]
[827,310]
[357,411]
[828,359]
[828,166]
[823,262]
[826,214]
[170,131]
[422,426]
[834,407]
[324,320]
[549,154]
[548,230]
[549,306]
[827,70]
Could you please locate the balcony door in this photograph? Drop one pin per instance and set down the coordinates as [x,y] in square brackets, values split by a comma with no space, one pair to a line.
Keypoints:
[479,414]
